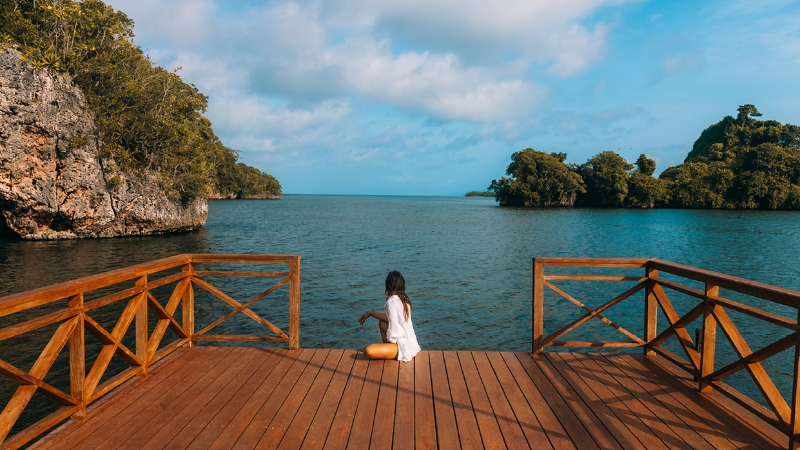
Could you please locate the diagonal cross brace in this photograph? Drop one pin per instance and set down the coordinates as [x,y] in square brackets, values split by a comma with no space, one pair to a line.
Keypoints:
[238,307]
[594,313]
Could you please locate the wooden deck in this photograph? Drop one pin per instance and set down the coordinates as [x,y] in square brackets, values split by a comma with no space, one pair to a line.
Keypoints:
[230,397]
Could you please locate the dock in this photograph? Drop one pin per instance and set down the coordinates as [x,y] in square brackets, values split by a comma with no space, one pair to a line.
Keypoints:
[233,397]
[191,388]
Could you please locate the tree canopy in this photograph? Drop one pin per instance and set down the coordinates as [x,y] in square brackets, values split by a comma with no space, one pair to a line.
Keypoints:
[741,162]
[538,179]
[147,117]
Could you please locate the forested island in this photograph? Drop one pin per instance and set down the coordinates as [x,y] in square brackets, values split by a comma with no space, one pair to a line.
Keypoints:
[736,163]
[146,118]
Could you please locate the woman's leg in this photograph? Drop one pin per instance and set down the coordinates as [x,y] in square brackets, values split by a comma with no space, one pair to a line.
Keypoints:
[384,327]
[381,351]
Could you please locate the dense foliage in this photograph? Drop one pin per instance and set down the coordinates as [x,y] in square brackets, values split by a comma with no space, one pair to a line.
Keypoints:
[538,179]
[147,117]
[738,162]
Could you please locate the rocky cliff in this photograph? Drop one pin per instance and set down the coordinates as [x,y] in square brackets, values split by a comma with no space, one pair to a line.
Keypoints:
[52,182]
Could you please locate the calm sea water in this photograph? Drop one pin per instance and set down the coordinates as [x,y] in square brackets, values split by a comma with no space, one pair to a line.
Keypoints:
[467,262]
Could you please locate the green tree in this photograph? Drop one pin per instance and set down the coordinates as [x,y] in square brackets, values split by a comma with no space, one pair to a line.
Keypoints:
[645,191]
[606,177]
[537,179]
[147,118]
[740,163]
[699,185]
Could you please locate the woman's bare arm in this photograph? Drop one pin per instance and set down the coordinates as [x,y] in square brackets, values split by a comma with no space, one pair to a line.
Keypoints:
[368,314]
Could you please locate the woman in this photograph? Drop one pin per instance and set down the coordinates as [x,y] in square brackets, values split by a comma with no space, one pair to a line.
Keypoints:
[399,340]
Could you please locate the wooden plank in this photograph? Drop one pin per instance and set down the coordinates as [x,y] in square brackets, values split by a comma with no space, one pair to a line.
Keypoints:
[559,277]
[299,376]
[752,427]
[762,379]
[424,418]
[468,433]
[537,307]
[340,427]
[247,399]
[124,409]
[404,408]
[36,323]
[318,430]
[719,434]
[563,403]
[151,419]
[294,305]
[284,373]
[776,294]
[657,418]
[593,262]
[283,416]
[296,431]
[233,273]
[383,427]
[555,432]
[487,422]
[242,258]
[41,296]
[446,428]
[206,415]
[509,426]
[182,413]
[119,396]
[754,312]
[41,426]
[624,424]
[534,433]
[365,411]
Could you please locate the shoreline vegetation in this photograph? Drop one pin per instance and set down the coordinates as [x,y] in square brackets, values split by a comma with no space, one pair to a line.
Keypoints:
[147,118]
[736,163]
[479,194]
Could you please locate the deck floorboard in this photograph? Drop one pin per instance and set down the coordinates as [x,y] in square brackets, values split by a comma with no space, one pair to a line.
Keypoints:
[226,397]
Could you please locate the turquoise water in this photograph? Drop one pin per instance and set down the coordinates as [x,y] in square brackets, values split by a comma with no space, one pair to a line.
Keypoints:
[467,263]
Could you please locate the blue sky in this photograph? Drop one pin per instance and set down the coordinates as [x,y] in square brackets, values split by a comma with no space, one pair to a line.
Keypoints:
[432,97]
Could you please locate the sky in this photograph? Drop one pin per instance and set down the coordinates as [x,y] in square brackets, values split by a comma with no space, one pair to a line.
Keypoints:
[432,97]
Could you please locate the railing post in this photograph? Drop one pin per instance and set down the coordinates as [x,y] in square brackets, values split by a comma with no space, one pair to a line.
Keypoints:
[537,307]
[187,305]
[795,425]
[294,304]
[650,311]
[77,357]
[141,325]
[709,340]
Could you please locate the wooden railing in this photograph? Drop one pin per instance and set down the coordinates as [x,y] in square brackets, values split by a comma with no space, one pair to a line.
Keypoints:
[709,306]
[75,306]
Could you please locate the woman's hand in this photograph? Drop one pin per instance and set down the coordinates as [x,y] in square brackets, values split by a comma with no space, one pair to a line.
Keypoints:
[364,317]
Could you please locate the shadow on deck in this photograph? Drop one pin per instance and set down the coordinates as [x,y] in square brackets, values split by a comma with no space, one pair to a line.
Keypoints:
[233,397]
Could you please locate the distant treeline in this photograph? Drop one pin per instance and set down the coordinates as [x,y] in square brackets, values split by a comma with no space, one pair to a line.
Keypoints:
[740,162]
[147,118]
[479,194]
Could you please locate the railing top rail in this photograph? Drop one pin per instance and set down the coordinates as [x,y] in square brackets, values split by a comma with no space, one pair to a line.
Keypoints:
[769,292]
[592,262]
[16,302]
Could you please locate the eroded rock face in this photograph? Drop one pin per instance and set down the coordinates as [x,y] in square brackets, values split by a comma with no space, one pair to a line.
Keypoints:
[52,183]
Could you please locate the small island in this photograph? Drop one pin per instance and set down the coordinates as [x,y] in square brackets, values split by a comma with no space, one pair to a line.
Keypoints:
[479,194]
[736,163]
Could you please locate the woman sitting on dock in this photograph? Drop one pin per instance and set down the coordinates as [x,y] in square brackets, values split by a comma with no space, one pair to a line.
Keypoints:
[399,340]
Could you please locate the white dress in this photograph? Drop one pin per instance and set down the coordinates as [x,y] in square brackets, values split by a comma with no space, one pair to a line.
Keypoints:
[401,332]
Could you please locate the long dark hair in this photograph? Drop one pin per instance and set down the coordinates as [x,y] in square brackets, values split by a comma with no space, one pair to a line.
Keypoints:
[396,285]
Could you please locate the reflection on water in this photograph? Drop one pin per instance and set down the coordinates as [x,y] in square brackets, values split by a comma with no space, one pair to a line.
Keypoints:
[467,262]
